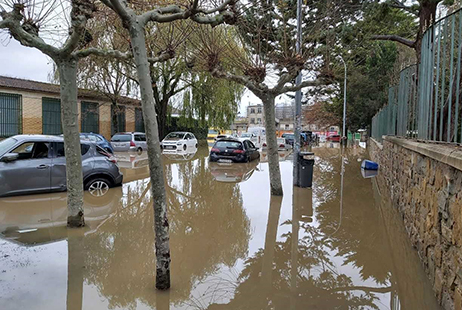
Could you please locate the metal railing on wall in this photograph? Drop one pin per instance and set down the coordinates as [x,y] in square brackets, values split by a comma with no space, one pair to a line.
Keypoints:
[426,102]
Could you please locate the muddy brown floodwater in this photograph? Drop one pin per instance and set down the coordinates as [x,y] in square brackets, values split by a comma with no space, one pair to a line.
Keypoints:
[339,245]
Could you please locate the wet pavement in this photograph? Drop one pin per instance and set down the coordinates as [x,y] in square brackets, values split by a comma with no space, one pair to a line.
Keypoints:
[231,243]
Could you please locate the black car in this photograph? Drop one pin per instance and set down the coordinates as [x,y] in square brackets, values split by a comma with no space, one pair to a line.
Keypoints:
[234,150]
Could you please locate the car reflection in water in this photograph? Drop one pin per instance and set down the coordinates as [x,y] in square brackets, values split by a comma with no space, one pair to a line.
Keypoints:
[39,219]
[180,155]
[233,172]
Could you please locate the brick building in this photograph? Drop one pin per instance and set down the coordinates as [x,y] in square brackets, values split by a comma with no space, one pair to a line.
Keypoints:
[30,107]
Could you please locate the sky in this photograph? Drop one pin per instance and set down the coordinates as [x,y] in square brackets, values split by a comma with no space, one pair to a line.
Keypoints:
[23,62]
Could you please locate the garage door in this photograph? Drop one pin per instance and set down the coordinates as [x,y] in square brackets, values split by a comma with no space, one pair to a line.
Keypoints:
[10,115]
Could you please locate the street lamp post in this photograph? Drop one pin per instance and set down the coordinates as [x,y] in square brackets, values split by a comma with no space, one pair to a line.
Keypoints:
[298,99]
[344,137]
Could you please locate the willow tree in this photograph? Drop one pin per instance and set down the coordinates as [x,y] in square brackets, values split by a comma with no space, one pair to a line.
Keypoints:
[135,17]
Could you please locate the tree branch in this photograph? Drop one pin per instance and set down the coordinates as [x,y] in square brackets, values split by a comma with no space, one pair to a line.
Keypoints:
[119,55]
[80,13]
[399,5]
[395,38]
[283,80]
[12,22]
[309,83]
[363,288]
[243,80]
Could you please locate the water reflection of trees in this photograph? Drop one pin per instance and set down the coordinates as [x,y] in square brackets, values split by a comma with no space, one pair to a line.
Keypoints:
[303,274]
[209,228]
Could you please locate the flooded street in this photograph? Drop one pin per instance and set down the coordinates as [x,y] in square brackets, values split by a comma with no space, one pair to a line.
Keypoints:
[339,245]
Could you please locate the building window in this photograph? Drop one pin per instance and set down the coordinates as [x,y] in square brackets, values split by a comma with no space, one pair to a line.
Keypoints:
[259,110]
[89,117]
[252,121]
[258,120]
[332,129]
[118,119]
[252,111]
[51,116]
[139,121]
[10,115]
[287,126]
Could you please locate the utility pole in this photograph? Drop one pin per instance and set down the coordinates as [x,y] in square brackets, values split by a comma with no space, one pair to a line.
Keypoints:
[298,99]
[344,136]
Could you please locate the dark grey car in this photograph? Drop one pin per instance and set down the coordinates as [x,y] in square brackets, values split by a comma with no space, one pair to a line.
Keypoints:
[32,164]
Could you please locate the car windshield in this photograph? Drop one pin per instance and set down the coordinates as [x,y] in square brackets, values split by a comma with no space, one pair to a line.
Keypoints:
[6,144]
[175,136]
[246,135]
[289,136]
[212,132]
[121,138]
[228,144]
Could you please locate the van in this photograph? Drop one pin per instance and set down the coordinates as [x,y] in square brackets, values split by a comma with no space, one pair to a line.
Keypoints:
[260,133]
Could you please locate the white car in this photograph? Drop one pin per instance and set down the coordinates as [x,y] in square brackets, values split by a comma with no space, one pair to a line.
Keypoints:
[179,140]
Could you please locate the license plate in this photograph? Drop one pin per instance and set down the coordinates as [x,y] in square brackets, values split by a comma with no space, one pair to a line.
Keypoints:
[225,161]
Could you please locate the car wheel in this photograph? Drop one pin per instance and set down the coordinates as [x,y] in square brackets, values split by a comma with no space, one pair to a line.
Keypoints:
[196,145]
[98,187]
[184,147]
[139,151]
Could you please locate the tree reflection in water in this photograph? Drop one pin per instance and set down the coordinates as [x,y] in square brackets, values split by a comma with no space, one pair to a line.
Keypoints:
[208,228]
[318,270]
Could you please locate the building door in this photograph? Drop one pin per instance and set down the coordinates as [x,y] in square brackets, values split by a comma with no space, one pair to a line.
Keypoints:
[10,115]
[139,121]
[90,117]
[51,116]
[119,112]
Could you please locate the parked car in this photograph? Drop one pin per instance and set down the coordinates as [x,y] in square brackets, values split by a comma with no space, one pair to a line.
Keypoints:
[233,150]
[129,141]
[179,140]
[223,136]
[32,164]
[282,144]
[98,139]
[249,136]
[333,138]
[290,138]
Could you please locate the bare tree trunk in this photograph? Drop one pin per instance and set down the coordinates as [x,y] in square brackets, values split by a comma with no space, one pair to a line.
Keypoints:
[69,115]
[273,158]
[138,42]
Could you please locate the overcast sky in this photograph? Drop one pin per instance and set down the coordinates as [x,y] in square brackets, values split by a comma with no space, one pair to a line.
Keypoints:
[24,62]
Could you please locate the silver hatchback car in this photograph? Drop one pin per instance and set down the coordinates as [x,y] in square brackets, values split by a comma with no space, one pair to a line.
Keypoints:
[32,164]
[129,141]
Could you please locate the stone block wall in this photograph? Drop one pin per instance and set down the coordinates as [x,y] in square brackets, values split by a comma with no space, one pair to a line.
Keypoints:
[424,182]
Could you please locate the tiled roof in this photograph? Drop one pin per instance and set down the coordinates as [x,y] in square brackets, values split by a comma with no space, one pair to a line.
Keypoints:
[22,84]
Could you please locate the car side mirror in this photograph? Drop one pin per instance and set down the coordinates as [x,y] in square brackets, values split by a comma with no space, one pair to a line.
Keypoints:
[10,157]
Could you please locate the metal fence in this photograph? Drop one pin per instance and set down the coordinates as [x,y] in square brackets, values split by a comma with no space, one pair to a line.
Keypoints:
[426,102]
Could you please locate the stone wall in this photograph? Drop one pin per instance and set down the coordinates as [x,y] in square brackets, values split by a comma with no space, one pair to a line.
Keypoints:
[424,182]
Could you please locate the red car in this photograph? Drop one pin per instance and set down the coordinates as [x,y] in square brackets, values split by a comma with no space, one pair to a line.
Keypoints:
[333,138]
